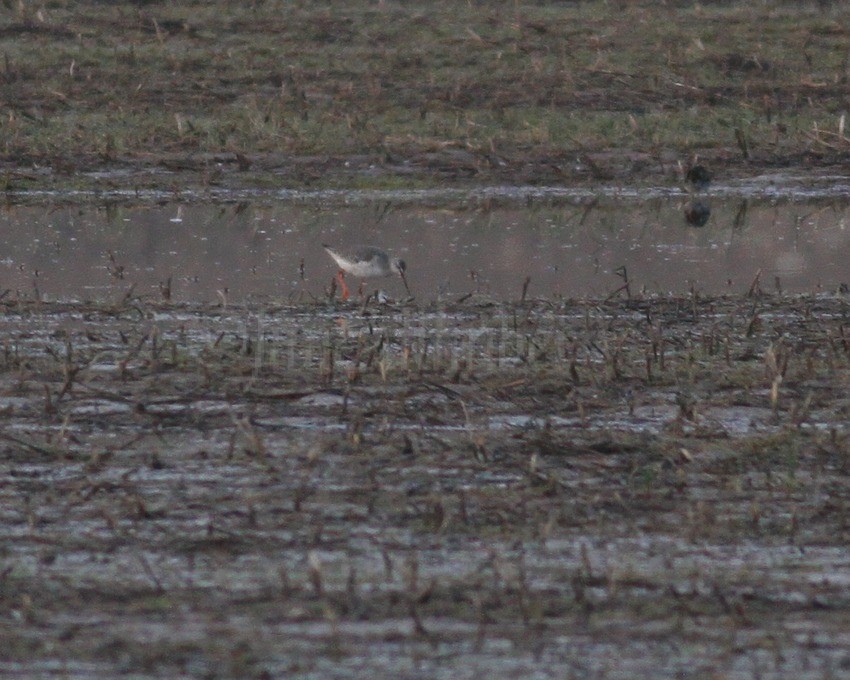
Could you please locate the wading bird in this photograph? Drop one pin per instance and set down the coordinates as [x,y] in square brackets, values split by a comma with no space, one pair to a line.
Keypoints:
[698,176]
[366,262]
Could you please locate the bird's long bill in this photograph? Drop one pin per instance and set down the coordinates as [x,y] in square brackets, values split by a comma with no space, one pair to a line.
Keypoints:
[404,281]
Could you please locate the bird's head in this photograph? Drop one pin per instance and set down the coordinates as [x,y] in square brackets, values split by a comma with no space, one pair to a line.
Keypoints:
[398,265]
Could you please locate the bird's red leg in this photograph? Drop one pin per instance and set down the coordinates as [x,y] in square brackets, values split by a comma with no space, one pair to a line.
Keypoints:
[343,285]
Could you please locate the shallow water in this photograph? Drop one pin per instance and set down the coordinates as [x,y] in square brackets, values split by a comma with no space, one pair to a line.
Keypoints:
[571,247]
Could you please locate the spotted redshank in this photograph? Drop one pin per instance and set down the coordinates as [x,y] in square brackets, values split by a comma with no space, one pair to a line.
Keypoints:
[366,262]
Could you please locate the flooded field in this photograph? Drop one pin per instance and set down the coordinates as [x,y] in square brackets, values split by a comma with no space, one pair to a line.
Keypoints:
[644,487]
[607,435]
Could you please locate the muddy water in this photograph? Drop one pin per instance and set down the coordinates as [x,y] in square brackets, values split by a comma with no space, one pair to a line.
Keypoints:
[572,249]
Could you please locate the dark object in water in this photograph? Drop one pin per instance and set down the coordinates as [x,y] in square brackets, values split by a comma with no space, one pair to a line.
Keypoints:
[697,213]
[698,176]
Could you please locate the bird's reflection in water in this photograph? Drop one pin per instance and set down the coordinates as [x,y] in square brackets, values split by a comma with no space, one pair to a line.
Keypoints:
[697,213]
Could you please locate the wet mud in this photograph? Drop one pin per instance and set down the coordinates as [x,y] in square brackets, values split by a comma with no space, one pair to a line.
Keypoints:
[637,487]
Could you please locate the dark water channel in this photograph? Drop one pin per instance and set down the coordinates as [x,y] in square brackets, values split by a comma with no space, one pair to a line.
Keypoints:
[573,249]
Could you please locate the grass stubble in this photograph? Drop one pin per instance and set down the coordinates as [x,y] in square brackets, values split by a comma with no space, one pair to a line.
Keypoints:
[340,488]
[219,95]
